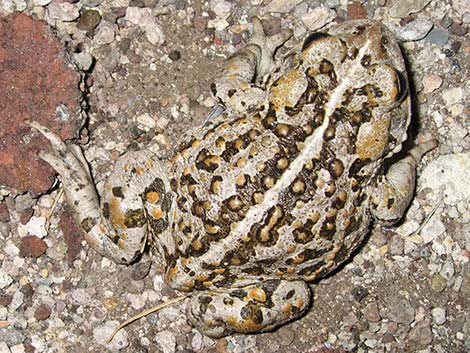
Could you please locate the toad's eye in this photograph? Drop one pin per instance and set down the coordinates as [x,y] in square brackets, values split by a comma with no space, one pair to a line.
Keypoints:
[402,84]
[312,38]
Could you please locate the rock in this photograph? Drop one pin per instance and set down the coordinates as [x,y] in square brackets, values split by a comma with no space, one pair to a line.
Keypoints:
[143,18]
[397,245]
[37,226]
[317,18]
[4,213]
[447,177]
[438,283]
[24,40]
[356,11]
[414,30]
[11,6]
[166,341]
[42,312]
[89,20]
[399,310]
[432,229]
[461,7]
[102,333]
[281,6]
[431,83]
[32,246]
[438,36]
[371,312]
[402,8]
[4,348]
[83,60]
[91,3]
[72,235]
[421,333]
[438,315]
[104,33]
[62,11]
[221,8]
[285,335]
[452,96]
[18,348]
[146,122]
[5,279]
[16,301]
[40,2]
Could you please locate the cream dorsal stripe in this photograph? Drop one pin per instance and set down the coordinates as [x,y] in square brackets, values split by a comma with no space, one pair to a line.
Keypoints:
[313,147]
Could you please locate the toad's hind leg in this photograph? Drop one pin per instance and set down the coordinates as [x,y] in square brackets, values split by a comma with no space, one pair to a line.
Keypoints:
[254,308]
[118,227]
[239,87]
[394,192]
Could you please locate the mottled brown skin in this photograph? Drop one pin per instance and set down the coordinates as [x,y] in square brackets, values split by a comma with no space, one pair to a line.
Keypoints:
[277,190]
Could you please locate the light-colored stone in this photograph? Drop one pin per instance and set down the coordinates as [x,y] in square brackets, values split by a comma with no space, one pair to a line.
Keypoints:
[431,83]
[452,96]
[5,279]
[281,6]
[166,340]
[318,18]
[402,8]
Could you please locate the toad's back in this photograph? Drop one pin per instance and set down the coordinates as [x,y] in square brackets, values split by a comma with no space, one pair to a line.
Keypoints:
[283,191]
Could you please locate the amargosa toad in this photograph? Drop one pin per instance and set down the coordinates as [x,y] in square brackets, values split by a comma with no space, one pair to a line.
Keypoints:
[278,190]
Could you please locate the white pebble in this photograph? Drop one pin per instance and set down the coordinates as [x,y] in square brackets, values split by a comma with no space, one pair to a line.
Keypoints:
[5,279]
[452,96]
[104,33]
[414,30]
[62,11]
[146,121]
[438,315]
[166,340]
[102,333]
[19,348]
[37,226]
[143,18]
[4,348]
[432,230]
[16,301]
[317,18]
[281,6]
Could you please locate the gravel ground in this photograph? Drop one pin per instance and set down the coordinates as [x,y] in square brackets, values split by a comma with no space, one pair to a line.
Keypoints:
[148,67]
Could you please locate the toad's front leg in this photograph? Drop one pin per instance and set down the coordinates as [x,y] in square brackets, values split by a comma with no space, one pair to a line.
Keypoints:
[118,227]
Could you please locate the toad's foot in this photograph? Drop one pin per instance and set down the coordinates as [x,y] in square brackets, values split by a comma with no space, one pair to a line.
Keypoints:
[109,235]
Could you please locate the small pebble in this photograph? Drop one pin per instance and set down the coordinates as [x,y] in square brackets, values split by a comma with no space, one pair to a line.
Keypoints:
[371,312]
[166,341]
[89,19]
[356,11]
[438,36]
[402,8]
[317,18]
[84,60]
[42,312]
[5,279]
[421,333]
[431,83]
[452,96]
[438,315]
[63,11]
[102,333]
[37,226]
[399,310]
[285,335]
[32,246]
[280,6]
[438,283]
[104,33]
[414,30]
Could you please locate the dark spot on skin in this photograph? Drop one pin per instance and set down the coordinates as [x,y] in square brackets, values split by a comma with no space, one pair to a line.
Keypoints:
[204,301]
[312,38]
[135,218]
[231,92]
[252,312]
[228,301]
[117,192]
[105,210]
[366,60]
[289,294]
[87,224]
